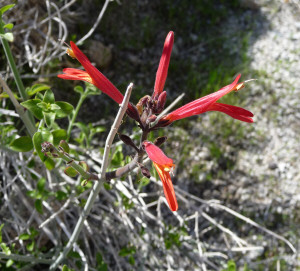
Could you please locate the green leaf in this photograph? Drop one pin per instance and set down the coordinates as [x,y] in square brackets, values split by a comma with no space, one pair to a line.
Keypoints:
[49,118]
[79,89]
[60,195]
[231,266]
[82,127]
[1,227]
[49,97]
[65,109]
[43,106]
[5,249]
[41,185]
[38,204]
[91,89]
[125,251]
[39,95]
[9,263]
[143,182]
[49,163]
[24,236]
[71,172]
[98,129]
[107,186]
[9,26]
[22,144]
[64,145]
[31,105]
[8,36]
[74,254]
[54,107]
[38,139]
[36,88]
[102,267]
[33,232]
[131,260]
[6,8]
[84,165]
[84,182]
[30,246]
[66,268]
[58,135]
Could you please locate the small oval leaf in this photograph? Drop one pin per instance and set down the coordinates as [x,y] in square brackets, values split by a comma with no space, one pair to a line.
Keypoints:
[84,165]
[64,145]
[32,105]
[49,97]
[38,204]
[6,8]
[65,109]
[22,144]
[9,26]
[71,172]
[37,88]
[58,135]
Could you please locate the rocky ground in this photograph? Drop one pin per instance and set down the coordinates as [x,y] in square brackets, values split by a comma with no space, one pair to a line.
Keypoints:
[263,181]
[266,174]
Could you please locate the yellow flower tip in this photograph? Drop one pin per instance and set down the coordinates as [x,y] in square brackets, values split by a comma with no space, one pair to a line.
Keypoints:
[242,85]
[239,86]
[70,53]
[169,168]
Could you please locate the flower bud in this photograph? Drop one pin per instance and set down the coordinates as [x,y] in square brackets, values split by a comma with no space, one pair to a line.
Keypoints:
[128,141]
[145,171]
[152,118]
[133,112]
[160,140]
[47,147]
[161,101]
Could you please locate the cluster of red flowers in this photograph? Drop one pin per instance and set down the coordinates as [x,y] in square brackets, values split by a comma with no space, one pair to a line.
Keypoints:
[147,108]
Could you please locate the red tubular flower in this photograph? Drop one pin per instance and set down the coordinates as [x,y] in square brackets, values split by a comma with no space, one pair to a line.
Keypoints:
[91,75]
[162,70]
[163,165]
[209,103]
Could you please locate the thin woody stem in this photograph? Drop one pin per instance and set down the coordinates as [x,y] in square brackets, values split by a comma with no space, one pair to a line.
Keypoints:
[20,110]
[96,189]
[138,158]
[25,258]
[75,113]
[73,164]
[12,65]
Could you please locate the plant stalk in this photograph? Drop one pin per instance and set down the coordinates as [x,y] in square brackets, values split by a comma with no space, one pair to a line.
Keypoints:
[74,116]
[96,189]
[20,109]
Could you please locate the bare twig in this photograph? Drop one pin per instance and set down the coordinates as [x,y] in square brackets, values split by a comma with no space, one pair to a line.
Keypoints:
[20,110]
[98,185]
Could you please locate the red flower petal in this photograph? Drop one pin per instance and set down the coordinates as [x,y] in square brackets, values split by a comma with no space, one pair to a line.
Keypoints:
[233,111]
[157,155]
[205,101]
[162,71]
[75,74]
[96,77]
[168,187]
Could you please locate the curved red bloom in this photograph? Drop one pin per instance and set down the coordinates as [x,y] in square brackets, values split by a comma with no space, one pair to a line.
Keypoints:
[209,103]
[91,75]
[162,71]
[163,166]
